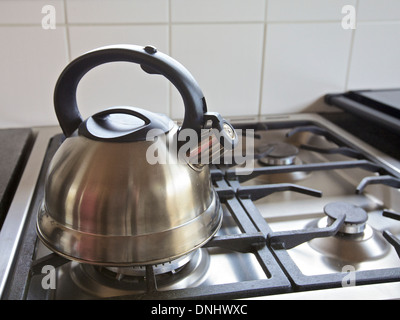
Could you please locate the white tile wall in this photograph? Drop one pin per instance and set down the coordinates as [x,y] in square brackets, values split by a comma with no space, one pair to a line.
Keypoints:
[225,60]
[381,10]
[249,56]
[117,11]
[375,61]
[306,10]
[28,12]
[31,61]
[295,76]
[217,10]
[123,83]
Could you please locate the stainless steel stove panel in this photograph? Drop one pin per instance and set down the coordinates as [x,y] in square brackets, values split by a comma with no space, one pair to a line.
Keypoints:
[280,211]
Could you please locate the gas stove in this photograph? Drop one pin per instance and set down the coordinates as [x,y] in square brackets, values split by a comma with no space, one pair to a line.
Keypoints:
[313,213]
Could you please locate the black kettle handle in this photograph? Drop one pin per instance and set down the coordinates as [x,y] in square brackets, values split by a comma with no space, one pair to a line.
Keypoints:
[151,61]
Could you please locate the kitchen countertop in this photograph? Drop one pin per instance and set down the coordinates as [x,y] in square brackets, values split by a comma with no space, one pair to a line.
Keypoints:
[15,146]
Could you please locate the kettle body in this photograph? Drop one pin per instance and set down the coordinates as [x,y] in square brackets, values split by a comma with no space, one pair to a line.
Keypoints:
[104,202]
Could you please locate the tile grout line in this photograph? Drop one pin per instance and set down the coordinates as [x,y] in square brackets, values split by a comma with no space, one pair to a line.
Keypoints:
[132,24]
[350,58]
[170,54]
[264,45]
[67,32]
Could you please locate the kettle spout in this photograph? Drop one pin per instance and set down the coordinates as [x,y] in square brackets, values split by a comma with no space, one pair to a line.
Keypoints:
[218,138]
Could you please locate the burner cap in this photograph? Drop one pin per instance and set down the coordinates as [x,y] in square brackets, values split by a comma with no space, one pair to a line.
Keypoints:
[355,220]
[279,153]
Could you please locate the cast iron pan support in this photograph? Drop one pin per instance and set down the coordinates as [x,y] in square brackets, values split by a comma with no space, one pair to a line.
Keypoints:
[385,180]
[344,150]
[293,238]
[290,239]
[391,182]
[395,242]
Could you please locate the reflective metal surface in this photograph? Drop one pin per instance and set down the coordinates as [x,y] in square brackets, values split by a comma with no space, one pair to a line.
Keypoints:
[282,211]
[352,249]
[99,282]
[278,154]
[14,222]
[206,267]
[106,204]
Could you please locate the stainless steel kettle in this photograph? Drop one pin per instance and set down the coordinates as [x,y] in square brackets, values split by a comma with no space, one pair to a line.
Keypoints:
[104,202]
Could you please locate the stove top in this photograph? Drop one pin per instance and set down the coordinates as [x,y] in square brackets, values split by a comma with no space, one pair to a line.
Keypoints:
[312,212]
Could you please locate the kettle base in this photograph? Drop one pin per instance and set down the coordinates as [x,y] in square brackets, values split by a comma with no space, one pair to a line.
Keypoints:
[135,250]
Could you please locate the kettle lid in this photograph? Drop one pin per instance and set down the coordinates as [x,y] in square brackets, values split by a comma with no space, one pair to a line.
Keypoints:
[124,124]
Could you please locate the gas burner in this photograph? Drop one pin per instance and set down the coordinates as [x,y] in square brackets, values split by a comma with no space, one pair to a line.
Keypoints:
[355,242]
[104,282]
[278,154]
[140,271]
[356,217]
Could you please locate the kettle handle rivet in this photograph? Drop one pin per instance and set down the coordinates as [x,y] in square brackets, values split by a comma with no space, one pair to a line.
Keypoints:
[150,49]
